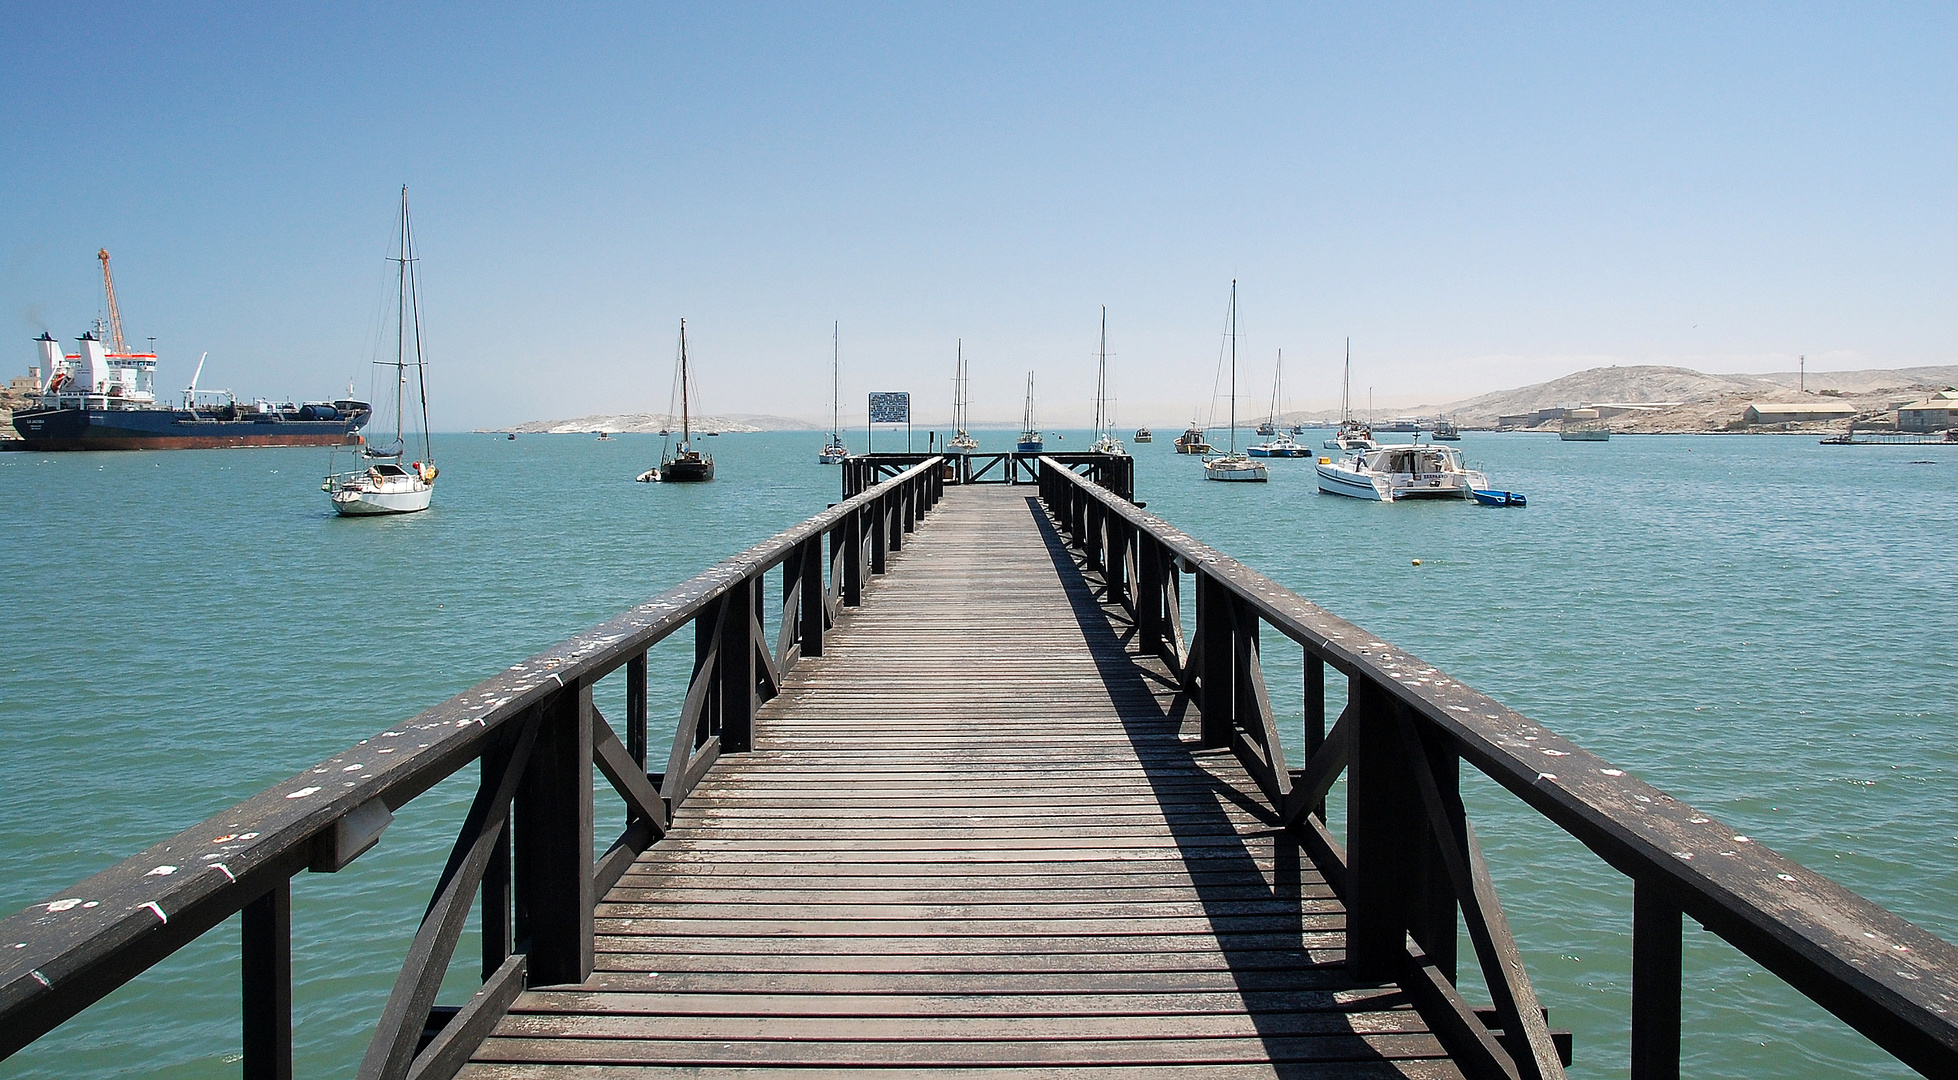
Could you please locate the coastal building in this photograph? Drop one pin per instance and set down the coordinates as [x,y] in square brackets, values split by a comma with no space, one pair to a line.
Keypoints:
[1939,412]
[1797,412]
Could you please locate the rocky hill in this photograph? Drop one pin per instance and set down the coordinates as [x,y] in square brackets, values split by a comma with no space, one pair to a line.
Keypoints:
[1721,398]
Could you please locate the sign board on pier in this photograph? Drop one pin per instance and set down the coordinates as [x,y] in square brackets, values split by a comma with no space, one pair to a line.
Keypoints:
[891,408]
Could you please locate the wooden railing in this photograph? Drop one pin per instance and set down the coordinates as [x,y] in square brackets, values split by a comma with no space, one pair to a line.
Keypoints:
[1411,863]
[527,845]
[1115,472]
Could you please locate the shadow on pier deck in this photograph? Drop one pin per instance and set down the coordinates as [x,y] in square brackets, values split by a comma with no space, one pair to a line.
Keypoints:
[978,832]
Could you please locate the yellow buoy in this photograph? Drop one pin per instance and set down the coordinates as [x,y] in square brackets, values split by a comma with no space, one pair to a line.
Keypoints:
[1417,562]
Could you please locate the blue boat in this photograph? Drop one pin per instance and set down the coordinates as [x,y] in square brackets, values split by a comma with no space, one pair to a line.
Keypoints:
[1498,498]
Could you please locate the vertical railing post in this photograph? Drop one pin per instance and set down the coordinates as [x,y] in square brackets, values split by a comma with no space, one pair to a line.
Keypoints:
[850,537]
[635,709]
[1656,927]
[1214,619]
[1383,814]
[880,532]
[499,932]
[737,668]
[554,843]
[1149,607]
[265,956]
[813,594]
[1315,716]
[910,506]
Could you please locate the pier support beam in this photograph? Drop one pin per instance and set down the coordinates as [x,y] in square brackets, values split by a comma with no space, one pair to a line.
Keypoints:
[1656,927]
[266,955]
[554,843]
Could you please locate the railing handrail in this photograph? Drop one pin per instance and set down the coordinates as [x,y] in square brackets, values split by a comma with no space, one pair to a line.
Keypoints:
[130,907]
[1891,979]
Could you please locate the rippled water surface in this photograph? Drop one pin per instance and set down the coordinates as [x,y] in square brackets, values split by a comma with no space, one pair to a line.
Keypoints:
[1760,626]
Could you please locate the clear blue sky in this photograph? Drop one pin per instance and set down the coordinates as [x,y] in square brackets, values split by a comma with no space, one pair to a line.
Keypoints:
[1480,198]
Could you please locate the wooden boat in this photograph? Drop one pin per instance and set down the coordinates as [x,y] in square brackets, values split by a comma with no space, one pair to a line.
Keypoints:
[683,464]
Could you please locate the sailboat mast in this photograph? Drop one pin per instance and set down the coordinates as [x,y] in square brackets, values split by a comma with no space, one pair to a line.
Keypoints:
[836,382]
[401,320]
[1233,366]
[686,428]
[1101,379]
[1277,382]
[1346,387]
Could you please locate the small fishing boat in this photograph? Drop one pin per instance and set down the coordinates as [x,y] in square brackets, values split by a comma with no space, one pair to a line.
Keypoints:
[1194,441]
[1030,439]
[1446,431]
[387,486]
[1485,497]
[961,442]
[1105,440]
[833,451]
[1583,431]
[604,436]
[1393,473]
[512,436]
[682,463]
[1234,467]
[1143,434]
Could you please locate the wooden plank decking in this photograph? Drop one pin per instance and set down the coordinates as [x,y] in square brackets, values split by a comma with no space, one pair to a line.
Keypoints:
[976,834]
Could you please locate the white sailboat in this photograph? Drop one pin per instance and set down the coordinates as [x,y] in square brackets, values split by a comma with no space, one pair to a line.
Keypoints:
[1281,443]
[833,451]
[386,486]
[962,442]
[1030,439]
[1105,440]
[1353,434]
[1234,466]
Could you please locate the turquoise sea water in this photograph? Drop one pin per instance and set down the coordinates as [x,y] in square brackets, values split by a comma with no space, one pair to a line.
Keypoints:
[1760,626]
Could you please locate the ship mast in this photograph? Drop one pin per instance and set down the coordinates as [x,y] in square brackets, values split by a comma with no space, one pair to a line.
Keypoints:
[401,326]
[835,382]
[1101,380]
[1233,367]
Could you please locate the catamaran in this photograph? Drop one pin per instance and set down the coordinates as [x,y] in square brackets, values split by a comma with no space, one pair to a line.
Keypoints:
[682,464]
[1030,440]
[1105,440]
[833,451]
[386,486]
[1394,473]
[961,441]
[1234,466]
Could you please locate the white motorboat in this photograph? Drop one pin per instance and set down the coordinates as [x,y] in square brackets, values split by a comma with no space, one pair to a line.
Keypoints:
[1393,473]
[1281,445]
[386,486]
[1234,466]
[1105,440]
[833,451]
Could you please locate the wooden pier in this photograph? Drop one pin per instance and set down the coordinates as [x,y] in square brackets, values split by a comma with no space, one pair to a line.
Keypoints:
[981,799]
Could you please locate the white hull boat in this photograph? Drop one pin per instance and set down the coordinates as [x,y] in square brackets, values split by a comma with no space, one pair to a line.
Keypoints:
[1393,473]
[1235,468]
[386,486]
[385,489]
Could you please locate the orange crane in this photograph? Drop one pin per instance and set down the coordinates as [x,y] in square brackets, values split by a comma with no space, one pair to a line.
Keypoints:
[109,287]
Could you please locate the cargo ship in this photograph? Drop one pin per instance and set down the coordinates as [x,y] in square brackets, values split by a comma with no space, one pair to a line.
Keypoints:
[103,398]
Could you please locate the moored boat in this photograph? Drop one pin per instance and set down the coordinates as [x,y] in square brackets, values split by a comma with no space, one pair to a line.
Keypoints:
[386,486]
[1143,434]
[1393,473]
[682,464]
[1030,441]
[1194,441]
[102,396]
[961,441]
[833,451]
[1485,497]
[1234,467]
[1353,435]
[1105,440]
[1281,445]
[1446,431]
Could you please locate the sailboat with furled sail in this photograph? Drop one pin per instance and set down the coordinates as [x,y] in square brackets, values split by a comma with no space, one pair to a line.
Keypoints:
[1105,440]
[1031,441]
[962,442]
[682,463]
[386,486]
[1234,466]
[833,451]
